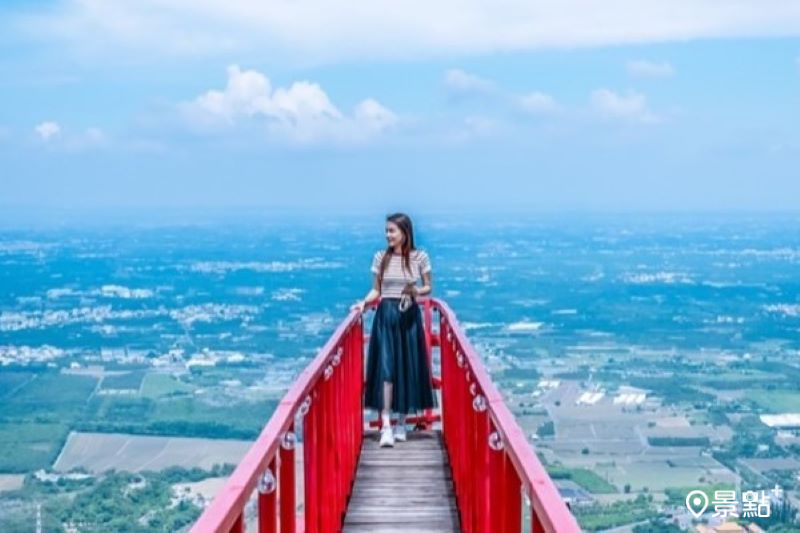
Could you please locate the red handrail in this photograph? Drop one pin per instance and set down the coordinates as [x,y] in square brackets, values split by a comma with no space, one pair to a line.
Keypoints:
[327,394]
[491,461]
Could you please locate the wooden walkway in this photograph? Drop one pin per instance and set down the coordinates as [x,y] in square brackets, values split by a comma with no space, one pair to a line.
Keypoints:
[407,488]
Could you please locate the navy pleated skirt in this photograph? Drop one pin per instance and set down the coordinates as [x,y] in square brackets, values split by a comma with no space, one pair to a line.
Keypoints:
[397,353]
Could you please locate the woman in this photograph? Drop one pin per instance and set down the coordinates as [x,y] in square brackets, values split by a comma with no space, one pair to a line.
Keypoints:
[398,376]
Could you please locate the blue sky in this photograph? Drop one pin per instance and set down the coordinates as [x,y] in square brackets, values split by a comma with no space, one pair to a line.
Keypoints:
[535,106]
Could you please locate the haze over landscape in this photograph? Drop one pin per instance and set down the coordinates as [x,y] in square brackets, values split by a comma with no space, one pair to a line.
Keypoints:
[191,195]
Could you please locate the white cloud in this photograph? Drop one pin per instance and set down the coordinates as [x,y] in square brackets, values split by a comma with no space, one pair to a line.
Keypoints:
[374,116]
[61,139]
[456,80]
[95,135]
[317,30]
[300,113]
[473,127]
[90,138]
[480,125]
[649,69]
[250,93]
[631,106]
[538,103]
[47,130]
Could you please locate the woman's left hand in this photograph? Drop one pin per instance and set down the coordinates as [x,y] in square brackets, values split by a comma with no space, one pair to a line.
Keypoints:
[411,290]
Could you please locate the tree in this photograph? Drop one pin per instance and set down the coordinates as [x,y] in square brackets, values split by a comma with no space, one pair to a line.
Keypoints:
[657,526]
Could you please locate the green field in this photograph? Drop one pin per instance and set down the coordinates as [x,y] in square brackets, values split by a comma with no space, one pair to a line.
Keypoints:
[677,495]
[29,446]
[183,416]
[37,412]
[158,385]
[583,477]
[11,381]
[39,409]
[49,397]
[777,401]
[596,517]
[128,380]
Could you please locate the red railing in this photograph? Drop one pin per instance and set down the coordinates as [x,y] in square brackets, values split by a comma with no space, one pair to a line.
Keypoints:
[494,468]
[327,395]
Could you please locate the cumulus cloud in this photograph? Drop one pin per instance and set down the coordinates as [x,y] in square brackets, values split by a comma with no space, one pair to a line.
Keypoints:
[538,103]
[373,116]
[89,138]
[631,106]
[47,130]
[301,112]
[312,30]
[649,69]
[60,138]
[473,127]
[458,81]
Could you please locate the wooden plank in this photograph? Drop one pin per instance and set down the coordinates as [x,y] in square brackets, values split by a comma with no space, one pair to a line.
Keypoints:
[406,488]
[403,495]
[391,482]
[432,492]
[414,455]
[389,528]
[413,488]
[390,474]
[398,516]
[429,461]
[387,500]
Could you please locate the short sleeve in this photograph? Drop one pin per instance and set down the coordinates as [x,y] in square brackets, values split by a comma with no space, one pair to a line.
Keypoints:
[376,262]
[424,263]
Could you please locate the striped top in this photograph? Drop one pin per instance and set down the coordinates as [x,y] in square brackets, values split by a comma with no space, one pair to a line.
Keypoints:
[396,276]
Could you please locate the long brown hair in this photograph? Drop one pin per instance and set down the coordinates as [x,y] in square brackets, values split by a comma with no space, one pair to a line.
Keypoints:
[403,222]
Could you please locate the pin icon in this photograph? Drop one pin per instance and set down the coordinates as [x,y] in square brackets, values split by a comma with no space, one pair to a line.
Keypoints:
[696,502]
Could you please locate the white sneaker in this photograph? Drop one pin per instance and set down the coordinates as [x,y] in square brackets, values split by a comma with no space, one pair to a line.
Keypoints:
[387,438]
[400,432]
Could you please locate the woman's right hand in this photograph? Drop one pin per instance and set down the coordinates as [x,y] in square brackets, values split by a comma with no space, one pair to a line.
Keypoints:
[358,306]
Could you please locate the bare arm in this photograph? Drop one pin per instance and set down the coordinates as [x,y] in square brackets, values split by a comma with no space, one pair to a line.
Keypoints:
[424,290]
[373,294]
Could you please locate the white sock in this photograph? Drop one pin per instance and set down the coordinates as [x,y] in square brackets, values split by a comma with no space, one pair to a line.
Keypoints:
[401,419]
[385,420]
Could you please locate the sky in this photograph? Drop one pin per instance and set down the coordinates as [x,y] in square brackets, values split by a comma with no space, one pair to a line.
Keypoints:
[509,105]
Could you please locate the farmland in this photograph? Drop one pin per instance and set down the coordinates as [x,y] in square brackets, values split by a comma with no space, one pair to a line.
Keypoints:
[99,452]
